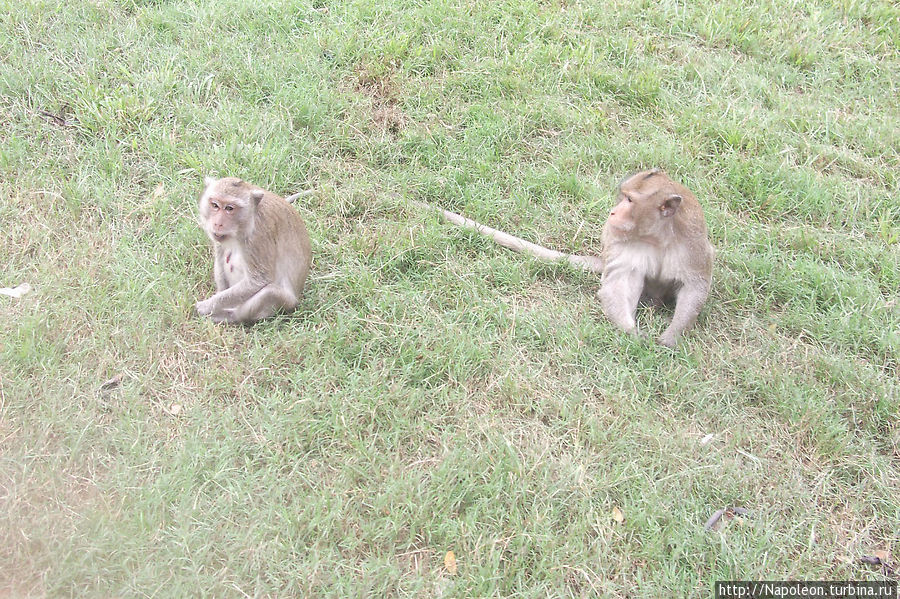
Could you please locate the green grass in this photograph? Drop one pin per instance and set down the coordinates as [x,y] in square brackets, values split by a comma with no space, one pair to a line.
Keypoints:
[434,392]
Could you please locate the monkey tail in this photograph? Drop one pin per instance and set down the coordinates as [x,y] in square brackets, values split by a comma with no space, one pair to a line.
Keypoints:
[300,194]
[517,244]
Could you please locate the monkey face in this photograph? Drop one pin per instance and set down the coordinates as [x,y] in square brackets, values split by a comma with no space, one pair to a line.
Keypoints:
[644,205]
[225,212]
[222,216]
[621,217]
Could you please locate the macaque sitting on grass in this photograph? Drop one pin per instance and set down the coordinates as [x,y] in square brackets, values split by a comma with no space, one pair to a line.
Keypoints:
[655,249]
[261,251]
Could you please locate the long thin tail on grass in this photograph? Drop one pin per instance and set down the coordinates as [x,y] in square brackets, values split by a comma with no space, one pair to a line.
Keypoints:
[517,244]
[300,194]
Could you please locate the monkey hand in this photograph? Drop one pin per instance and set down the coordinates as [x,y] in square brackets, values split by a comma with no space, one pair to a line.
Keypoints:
[667,339]
[204,308]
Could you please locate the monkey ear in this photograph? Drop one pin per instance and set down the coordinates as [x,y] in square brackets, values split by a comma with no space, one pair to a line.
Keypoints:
[256,196]
[207,181]
[670,205]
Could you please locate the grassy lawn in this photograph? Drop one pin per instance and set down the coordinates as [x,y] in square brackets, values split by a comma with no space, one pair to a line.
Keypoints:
[434,392]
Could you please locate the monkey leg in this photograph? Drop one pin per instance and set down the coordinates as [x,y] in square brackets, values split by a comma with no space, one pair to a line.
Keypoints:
[619,298]
[688,304]
[264,304]
[228,299]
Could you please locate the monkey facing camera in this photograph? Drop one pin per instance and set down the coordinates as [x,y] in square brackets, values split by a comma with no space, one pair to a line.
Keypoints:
[261,251]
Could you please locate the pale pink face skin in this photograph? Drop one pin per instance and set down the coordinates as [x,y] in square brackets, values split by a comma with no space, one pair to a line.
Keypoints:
[621,217]
[221,215]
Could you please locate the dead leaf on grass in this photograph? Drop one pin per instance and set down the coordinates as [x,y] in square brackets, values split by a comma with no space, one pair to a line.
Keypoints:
[881,558]
[728,511]
[111,384]
[158,192]
[450,562]
[57,118]
[714,519]
[617,515]
[17,291]
[173,410]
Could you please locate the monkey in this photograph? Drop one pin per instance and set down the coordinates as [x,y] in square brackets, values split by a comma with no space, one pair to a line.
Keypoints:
[655,248]
[261,251]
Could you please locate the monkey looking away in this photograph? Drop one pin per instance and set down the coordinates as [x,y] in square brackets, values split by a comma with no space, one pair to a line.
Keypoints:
[261,251]
[655,249]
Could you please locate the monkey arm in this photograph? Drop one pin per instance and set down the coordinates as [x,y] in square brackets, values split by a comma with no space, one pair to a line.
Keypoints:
[219,277]
[688,304]
[619,295]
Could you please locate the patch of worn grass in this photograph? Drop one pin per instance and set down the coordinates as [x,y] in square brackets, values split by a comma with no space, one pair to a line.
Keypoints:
[434,392]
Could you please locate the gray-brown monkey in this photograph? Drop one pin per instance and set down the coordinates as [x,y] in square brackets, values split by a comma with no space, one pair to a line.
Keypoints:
[261,250]
[655,248]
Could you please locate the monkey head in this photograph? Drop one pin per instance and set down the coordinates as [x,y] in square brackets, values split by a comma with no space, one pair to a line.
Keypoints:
[228,208]
[646,204]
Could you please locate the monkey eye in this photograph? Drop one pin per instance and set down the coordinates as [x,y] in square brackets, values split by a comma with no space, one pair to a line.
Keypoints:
[214,205]
[627,199]
[229,208]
